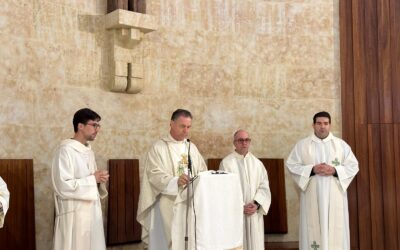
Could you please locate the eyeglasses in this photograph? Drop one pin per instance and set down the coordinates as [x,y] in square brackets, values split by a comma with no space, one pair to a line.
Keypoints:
[243,140]
[95,125]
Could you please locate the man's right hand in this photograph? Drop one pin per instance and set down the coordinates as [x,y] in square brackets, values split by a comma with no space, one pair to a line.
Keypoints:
[101,176]
[183,180]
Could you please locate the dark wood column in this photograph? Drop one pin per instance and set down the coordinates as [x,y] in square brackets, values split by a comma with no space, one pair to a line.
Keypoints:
[18,231]
[131,5]
[370,70]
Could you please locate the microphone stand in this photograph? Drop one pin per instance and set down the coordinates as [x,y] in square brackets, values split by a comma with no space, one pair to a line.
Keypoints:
[187,198]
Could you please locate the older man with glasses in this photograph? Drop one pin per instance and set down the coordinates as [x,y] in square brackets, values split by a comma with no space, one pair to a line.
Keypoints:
[255,189]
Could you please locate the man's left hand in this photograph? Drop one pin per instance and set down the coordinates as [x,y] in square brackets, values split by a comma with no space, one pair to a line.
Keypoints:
[250,208]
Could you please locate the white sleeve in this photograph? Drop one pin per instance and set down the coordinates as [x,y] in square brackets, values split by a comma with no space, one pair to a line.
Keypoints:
[66,185]
[300,172]
[348,167]
[4,200]
[172,187]
[263,193]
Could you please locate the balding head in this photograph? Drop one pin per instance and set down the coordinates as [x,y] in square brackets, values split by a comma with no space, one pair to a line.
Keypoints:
[241,141]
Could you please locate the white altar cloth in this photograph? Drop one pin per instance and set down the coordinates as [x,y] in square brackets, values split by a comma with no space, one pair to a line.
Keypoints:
[218,207]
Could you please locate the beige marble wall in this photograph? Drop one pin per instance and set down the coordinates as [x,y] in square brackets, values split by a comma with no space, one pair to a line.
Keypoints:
[263,65]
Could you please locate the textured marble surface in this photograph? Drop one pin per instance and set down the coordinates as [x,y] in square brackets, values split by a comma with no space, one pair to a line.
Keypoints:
[262,65]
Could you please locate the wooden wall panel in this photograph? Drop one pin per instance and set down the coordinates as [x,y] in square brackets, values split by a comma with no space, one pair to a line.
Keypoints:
[346,53]
[117,169]
[384,59]
[19,225]
[131,5]
[396,149]
[347,70]
[131,191]
[276,220]
[395,57]
[116,4]
[123,198]
[359,66]
[371,66]
[370,60]
[213,164]
[375,173]
[389,186]
[137,5]
[364,227]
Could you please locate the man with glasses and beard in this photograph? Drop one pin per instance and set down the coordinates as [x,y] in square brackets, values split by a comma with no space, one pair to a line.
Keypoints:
[78,187]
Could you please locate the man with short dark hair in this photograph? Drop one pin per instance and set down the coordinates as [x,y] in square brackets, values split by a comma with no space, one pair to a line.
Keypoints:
[163,185]
[255,189]
[78,187]
[4,201]
[323,167]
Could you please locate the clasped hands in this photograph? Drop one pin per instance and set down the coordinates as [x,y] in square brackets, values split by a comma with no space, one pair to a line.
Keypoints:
[250,208]
[101,176]
[324,169]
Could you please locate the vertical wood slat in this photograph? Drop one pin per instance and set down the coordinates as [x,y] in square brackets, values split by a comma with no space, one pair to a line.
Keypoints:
[129,187]
[120,171]
[389,186]
[384,59]
[371,86]
[131,5]
[137,6]
[346,62]
[276,220]
[396,148]
[363,183]
[19,227]
[375,173]
[347,72]
[30,206]
[395,56]
[359,91]
[137,228]
[124,189]
[116,4]
[112,218]
[213,164]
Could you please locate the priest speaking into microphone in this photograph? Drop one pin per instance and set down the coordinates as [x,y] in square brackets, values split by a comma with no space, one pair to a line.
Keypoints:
[163,186]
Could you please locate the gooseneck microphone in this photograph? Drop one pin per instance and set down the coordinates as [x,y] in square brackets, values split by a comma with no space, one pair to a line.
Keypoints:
[187,199]
[190,187]
[189,159]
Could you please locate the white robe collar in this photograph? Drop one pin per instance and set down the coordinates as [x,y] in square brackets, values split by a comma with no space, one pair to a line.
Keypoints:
[239,156]
[78,146]
[318,140]
[169,138]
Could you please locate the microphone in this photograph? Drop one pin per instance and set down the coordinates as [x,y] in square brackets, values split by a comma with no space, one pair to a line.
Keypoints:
[189,159]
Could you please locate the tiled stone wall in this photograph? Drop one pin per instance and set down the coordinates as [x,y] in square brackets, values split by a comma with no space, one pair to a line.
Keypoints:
[263,65]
